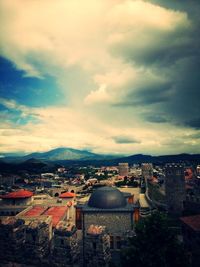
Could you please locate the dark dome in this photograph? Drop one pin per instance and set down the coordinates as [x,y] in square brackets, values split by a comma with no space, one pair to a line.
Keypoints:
[107,198]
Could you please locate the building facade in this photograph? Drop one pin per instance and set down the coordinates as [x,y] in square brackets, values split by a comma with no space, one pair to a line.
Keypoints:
[123,169]
[107,207]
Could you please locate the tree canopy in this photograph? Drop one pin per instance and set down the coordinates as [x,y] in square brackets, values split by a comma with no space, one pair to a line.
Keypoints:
[154,245]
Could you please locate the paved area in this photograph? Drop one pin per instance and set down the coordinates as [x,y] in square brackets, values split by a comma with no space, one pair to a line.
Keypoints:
[134,191]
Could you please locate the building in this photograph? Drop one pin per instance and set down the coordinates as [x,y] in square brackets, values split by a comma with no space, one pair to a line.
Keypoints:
[198,170]
[39,238]
[107,207]
[175,188]
[57,213]
[123,169]
[191,237]
[147,170]
[14,202]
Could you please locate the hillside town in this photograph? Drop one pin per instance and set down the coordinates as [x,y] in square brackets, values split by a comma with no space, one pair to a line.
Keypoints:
[83,216]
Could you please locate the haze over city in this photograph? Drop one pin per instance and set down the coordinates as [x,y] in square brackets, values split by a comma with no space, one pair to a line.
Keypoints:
[111,77]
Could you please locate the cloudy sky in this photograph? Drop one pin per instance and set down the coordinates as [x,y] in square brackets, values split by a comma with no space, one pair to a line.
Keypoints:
[108,76]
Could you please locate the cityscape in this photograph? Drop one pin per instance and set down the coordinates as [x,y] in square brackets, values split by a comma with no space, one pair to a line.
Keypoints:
[84,213]
[99,133]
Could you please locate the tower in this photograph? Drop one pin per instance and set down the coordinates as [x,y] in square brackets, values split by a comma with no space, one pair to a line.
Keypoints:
[147,170]
[97,247]
[123,169]
[175,188]
[64,250]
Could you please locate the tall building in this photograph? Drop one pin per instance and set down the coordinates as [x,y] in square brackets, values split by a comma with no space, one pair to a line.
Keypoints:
[175,188]
[123,169]
[147,170]
[198,170]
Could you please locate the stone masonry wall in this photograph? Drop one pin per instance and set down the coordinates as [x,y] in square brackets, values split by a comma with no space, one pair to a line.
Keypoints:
[116,223]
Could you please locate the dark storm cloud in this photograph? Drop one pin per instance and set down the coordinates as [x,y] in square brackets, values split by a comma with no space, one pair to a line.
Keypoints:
[174,55]
[125,140]
[150,94]
[160,48]
[156,118]
[194,123]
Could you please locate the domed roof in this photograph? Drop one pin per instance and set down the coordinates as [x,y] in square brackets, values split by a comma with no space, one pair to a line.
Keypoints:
[107,198]
[18,194]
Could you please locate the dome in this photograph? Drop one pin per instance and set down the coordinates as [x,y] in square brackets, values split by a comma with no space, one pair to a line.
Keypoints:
[107,198]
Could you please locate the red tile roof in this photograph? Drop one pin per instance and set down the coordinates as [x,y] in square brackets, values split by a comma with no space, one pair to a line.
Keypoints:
[57,213]
[35,211]
[192,221]
[18,194]
[67,195]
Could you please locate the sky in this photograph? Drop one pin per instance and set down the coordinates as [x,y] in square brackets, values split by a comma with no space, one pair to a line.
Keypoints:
[107,76]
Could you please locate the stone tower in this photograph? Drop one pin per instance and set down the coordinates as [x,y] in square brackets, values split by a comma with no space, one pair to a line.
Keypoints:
[147,171]
[123,169]
[175,188]
[96,247]
[65,250]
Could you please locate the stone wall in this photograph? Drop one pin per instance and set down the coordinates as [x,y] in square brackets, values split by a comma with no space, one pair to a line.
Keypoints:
[116,223]
[96,247]
[64,250]
[37,240]
[12,239]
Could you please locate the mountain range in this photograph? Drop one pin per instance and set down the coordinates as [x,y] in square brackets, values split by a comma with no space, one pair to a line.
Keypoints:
[61,153]
[69,157]
[70,154]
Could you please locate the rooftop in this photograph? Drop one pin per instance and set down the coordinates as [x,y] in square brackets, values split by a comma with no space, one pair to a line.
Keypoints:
[57,213]
[35,211]
[107,197]
[17,194]
[192,221]
[67,195]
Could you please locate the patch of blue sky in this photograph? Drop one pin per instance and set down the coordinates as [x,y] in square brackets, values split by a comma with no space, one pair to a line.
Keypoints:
[27,119]
[17,117]
[29,91]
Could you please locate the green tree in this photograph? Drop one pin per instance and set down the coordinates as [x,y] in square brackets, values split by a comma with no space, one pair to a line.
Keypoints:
[154,245]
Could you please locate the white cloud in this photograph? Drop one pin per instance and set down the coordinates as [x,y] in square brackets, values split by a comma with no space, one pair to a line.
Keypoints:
[59,126]
[50,37]
[101,95]
[65,33]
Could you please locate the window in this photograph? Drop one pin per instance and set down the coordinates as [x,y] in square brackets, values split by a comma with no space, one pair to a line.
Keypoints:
[111,242]
[118,242]
[78,218]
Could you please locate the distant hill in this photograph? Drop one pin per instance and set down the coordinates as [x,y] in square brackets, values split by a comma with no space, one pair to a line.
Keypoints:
[58,154]
[49,161]
[140,158]
[30,165]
